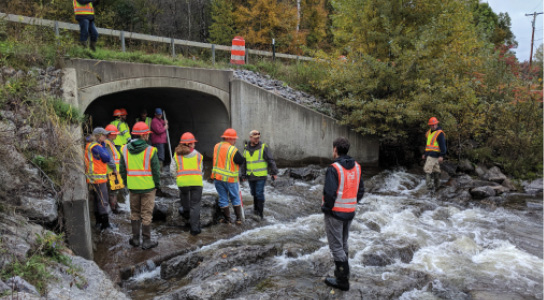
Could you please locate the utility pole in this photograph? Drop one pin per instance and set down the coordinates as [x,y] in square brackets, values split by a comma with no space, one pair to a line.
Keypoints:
[533,36]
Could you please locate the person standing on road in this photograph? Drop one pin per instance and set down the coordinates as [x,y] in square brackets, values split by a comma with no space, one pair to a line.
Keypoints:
[259,161]
[226,162]
[343,189]
[84,11]
[96,160]
[140,171]
[435,150]
[187,168]
[158,136]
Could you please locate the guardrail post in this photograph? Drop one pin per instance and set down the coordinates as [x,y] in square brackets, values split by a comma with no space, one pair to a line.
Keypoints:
[57,29]
[213,54]
[173,46]
[122,37]
[247,55]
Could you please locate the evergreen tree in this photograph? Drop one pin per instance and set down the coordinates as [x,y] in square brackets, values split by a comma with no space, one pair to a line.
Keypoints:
[222,30]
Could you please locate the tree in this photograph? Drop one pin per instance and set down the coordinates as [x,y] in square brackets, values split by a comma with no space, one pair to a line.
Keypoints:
[222,30]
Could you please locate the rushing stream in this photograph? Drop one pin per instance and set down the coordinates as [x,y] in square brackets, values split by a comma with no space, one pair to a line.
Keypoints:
[403,245]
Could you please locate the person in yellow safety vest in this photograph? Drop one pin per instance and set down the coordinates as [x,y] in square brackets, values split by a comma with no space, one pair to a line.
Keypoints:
[96,160]
[435,150]
[186,166]
[144,118]
[226,162]
[84,11]
[140,170]
[124,131]
[343,189]
[113,165]
[259,161]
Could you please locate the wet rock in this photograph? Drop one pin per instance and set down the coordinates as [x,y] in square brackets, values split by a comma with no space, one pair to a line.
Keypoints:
[21,285]
[535,186]
[293,250]
[494,174]
[373,226]
[386,255]
[450,168]
[310,172]
[481,170]
[500,189]
[93,283]
[482,192]
[180,266]
[283,182]
[441,213]
[509,185]
[161,211]
[466,166]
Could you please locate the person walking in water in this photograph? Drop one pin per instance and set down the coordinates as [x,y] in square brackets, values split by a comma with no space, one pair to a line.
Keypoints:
[344,188]
[259,161]
[435,150]
[226,162]
[140,170]
[187,168]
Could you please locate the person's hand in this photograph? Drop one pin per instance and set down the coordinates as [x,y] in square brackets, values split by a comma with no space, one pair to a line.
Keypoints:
[166,126]
[440,159]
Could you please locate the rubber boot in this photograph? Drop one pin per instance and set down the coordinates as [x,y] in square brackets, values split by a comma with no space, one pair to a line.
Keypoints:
[429,182]
[341,274]
[226,213]
[135,240]
[93,46]
[436,178]
[104,222]
[147,242]
[238,212]
[83,44]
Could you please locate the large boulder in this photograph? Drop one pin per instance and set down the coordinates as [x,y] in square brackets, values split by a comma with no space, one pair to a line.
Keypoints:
[533,187]
[466,166]
[482,192]
[310,172]
[494,174]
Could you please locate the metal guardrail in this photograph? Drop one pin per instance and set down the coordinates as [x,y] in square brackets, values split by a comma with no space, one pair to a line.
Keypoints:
[143,37]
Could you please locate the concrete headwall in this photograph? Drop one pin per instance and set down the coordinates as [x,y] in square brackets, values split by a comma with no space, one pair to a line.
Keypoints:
[294,132]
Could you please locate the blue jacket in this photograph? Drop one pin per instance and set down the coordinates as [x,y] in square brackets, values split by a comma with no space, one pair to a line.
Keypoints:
[101,153]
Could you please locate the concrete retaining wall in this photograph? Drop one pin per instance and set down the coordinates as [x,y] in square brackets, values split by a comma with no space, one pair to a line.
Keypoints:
[294,132]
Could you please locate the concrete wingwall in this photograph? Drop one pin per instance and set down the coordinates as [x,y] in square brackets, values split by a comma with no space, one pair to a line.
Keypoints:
[295,133]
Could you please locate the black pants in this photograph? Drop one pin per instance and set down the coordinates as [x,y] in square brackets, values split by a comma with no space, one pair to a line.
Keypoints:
[191,197]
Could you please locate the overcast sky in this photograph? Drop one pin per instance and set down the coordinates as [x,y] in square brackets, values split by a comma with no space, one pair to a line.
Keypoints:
[521,24]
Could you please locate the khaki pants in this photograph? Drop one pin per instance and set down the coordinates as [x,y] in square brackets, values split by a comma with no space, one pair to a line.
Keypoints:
[431,165]
[141,207]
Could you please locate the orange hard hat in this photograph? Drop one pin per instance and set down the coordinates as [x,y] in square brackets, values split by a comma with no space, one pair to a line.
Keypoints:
[123,112]
[230,134]
[187,138]
[140,128]
[117,113]
[433,121]
[111,129]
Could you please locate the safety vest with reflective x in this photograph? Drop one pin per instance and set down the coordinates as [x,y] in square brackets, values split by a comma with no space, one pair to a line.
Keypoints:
[139,173]
[224,168]
[116,156]
[432,141]
[95,169]
[124,132]
[348,186]
[189,169]
[256,165]
[80,9]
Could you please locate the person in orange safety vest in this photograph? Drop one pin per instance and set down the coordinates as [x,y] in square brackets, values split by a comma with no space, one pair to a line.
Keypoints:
[435,150]
[343,189]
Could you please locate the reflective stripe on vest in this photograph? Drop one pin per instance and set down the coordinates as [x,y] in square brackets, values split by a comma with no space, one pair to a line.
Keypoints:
[224,168]
[348,186]
[147,121]
[432,141]
[139,173]
[124,133]
[95,169]
[86,9]
[189,169]
[116,155]
[256,165]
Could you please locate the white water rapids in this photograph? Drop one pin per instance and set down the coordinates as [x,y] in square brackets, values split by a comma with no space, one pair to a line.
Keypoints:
[403,245]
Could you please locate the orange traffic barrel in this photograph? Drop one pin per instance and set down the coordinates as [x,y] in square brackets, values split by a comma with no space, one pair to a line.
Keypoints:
[238,51]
